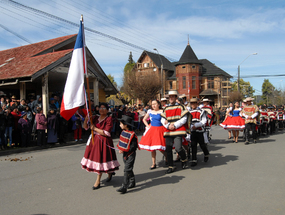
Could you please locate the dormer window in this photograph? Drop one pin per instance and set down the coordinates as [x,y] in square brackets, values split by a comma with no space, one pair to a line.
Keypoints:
[145,65]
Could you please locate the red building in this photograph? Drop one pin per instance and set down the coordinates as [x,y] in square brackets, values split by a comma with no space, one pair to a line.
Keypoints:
[190,76]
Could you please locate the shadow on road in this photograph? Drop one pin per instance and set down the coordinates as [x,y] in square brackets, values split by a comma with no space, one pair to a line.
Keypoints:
[214,160]
[147,180]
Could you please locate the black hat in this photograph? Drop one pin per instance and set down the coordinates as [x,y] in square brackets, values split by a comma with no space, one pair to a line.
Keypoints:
[126,120]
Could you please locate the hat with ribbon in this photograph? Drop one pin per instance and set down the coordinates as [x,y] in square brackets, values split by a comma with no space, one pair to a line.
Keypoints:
[126,120]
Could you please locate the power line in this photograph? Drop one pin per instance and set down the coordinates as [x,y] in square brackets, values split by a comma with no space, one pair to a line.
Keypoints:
[17,35]
[261,76]
[77,25]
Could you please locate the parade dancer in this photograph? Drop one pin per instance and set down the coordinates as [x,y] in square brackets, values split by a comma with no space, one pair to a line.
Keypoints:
[275,118]
[152,138]
[209,113]
[199,120]
[250,112]
[184,99]
[127,145]
[280,118]
[163,102]
[264,120]
[174,117]
[100,156]
[234,122]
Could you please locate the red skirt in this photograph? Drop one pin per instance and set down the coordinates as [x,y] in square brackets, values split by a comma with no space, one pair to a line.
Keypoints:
[233,123]
[99,157]
[153,139]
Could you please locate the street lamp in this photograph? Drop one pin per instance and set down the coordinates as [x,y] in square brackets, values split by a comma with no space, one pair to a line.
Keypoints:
[161,71]
[239,70]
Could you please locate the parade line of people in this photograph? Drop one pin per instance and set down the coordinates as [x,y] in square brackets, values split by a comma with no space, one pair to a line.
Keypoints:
[178,125]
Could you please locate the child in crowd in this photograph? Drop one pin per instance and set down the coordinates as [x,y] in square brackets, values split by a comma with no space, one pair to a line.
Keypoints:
[127,146]
[77,126]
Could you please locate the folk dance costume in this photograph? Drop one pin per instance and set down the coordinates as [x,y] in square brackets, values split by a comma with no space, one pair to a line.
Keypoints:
[209,113]
[272,120]
[234,121]
[178,115]
[264,120]
[280,118]
[250,124]
[152,138]
[100,156]
[128,143]
[199,119]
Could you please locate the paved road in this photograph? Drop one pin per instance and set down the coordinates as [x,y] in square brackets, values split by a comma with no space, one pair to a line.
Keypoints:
[238,179]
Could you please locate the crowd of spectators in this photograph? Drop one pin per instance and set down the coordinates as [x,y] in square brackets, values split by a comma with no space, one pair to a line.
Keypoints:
[23,124]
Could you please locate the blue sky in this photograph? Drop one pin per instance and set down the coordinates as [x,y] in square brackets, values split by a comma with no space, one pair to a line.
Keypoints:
[225,32]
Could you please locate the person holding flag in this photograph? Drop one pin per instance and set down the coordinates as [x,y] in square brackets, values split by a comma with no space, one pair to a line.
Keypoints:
[99,155]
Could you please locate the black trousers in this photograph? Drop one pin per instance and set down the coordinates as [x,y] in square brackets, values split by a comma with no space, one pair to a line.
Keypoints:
[198,137]
[41,137]
[280,122]
[264,128]
[177,141]
[248,127]
[128,170]
[272,126]
[25,139]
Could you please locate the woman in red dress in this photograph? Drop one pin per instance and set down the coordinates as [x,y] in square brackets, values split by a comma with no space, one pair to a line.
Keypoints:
[152,138]
[100,155]
[234,122]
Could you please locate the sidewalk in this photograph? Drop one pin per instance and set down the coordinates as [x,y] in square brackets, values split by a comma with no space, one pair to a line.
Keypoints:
[69,142]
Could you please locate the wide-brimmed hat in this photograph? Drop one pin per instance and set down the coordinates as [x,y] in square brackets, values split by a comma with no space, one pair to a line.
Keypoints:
[23,113]
[182,96]
[193,100]
[248,99]
[163,99]
[126,120]
[172,93]
[13,97]
[206,100]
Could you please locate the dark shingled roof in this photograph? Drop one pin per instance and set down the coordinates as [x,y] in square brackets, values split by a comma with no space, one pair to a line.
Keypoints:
[210,69]
[188,56]
[167,65]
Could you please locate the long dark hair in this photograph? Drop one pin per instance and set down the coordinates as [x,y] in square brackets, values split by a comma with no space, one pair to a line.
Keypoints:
[158,102]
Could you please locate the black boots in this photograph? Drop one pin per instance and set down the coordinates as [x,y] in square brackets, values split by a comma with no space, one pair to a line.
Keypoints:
[122,189]
[132,182]
[129,182]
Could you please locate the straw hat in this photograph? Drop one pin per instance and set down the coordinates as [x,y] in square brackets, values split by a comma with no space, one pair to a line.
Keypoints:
[193,100]
[206,100]
[172,93]
[248,99]
[182,96]
[163,99]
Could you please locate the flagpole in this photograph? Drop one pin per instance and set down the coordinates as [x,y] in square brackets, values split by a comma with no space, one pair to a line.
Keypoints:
[87,81]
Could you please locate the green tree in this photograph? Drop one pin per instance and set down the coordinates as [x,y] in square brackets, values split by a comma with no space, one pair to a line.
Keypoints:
[270,94]
[245,88]
[267,90]
[112,79]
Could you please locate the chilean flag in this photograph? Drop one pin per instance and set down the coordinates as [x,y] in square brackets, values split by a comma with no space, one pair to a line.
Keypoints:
[74,91]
